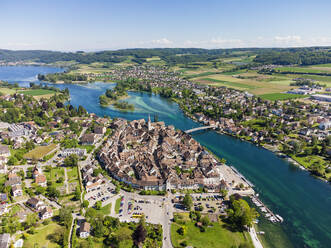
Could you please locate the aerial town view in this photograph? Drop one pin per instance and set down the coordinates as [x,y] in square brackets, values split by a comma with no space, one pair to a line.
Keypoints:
[165,124]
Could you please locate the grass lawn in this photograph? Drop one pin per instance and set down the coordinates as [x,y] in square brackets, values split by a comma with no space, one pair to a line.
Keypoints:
[281,96]
[55,174]
[37,92]
[72,174]
[217,236]
[41,237]
[307,161]
[105,210]
[97,242]
[40,151]
[118,205]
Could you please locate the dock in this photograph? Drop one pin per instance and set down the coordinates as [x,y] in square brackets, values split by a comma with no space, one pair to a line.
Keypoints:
[266,211]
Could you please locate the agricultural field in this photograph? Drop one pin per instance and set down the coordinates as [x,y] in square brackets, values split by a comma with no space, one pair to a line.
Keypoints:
[281,96]
[40,151]
[215,236]
[7,91]
[248,81]
[302,69]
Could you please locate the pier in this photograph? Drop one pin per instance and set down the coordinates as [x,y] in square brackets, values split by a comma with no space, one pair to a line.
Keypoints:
[266,211]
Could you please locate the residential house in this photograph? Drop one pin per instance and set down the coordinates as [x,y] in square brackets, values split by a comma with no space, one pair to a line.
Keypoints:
[36,203]
[84,230]
[46,213]
[17,190]
[41,180]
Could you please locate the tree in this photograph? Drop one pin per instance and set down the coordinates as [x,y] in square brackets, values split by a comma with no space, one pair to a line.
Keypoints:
[31,220]
[71,161]
[98,205]
[77,194]
[205,221]
[241,214]
[86,203]
[140,233]
[181,230]
[65,216]
[53,192]
[187,201]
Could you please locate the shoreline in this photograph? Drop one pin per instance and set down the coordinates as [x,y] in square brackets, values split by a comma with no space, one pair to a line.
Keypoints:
[276,152]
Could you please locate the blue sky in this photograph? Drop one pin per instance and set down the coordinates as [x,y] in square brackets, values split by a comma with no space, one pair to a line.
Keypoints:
[70,25]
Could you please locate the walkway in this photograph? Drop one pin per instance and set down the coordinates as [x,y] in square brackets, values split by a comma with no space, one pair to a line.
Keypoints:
[66,180]
[256,241]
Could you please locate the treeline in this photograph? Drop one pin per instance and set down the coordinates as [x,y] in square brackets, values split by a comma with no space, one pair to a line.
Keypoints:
[300,56]
[65,77]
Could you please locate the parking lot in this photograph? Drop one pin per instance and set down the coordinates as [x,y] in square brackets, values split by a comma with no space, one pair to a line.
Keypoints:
[104,194]
[210,203]
[133,208]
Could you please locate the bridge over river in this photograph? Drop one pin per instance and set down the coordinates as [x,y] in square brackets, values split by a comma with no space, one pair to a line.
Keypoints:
[200,128]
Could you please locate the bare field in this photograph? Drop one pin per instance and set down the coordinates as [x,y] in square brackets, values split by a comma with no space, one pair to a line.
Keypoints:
[253,86]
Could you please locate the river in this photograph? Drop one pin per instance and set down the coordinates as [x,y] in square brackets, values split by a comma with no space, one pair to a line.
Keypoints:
[303,201]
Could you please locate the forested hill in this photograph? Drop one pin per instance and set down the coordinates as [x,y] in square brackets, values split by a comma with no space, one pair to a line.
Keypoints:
[281,56]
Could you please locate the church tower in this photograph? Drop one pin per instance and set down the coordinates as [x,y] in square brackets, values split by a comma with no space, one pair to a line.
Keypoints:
[149,123]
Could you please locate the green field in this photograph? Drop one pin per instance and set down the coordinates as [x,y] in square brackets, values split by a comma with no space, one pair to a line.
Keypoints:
[41,237]
[118,205]
[203,74]
[105,210]
[54,174]
[37,92]
[300,70]
[281,96]
[40,151]
[229,84]
[216,236]
[7,91]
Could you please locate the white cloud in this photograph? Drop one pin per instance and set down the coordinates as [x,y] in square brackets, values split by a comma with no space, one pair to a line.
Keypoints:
[163,41]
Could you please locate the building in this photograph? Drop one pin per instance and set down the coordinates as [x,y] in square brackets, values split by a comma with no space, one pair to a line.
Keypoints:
[84,230]
[41,180]
[87,139]
[77,151]
[4,240]
[35,203]
[320,97]
[4,151]
[99,129]
[325,125]
[17,190]
[46,213]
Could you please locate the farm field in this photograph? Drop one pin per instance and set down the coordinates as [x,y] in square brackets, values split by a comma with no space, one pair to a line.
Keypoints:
[7,91]
[281,96]
[40,151]
[41,237]
[248,82]
[216,236]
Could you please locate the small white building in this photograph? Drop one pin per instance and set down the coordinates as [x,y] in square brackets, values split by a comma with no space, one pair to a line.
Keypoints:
[84,230]
[46,213]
